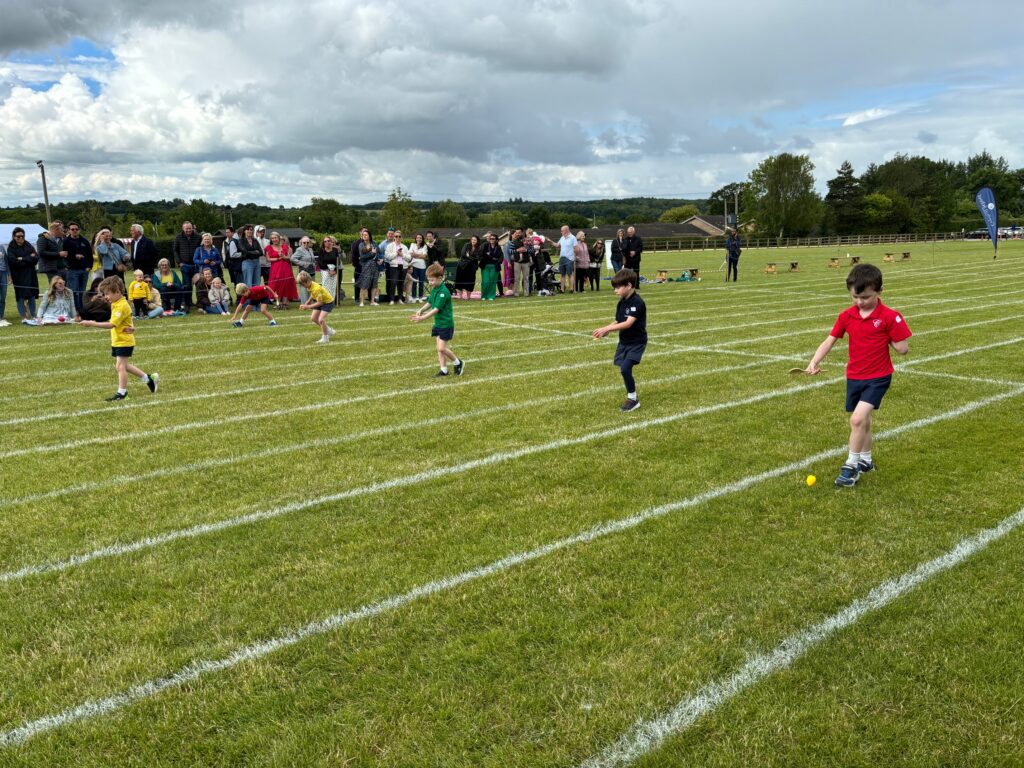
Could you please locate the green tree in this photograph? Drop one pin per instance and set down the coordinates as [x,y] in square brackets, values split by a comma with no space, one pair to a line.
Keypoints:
[205,217]
[781,196]
[447,213]
[324,214]
[845,202]
[540,217]
[727,194]
[400,212]
[679,213]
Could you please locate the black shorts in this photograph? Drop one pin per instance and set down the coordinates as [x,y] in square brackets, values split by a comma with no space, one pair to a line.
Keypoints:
[257,303]
[325,307]
[121,351]
[866,391]
[629,352]
[445,334]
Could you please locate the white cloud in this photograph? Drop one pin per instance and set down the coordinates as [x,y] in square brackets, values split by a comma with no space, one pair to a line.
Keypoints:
[276,102]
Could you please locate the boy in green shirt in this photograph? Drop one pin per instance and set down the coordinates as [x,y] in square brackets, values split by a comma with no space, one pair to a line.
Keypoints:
[439,306]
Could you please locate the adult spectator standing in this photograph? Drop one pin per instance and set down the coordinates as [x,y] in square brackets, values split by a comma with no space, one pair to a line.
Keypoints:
[733,249]
[50,249]
[633,250]
[3,285]
[79,260]
[469,262]
[111,253]
[143,250]
[397,257]
[329,260]
[304,260]
[357,267]
[207,256]
[21,262]
[520,264]
[418,265]
[618,251]
[369,272]
[251,252]
[596,263]
[230,256]
[185,244]
[566,257]
[282,279]
[582,266]
[261,235]
[436,250]
[490,267]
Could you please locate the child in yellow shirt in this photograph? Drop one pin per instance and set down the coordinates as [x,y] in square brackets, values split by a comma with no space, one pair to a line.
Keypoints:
[122,337]
[138,294]
[321,302]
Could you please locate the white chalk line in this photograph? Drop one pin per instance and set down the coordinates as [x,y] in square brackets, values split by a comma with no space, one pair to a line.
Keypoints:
[319,443]
[647,735]
[99,707]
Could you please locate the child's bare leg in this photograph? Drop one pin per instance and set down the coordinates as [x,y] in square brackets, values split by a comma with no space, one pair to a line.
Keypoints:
[266,312]
[860,428]
[137,372]
[448,353]
[441,359]
[120,364]
[245,312]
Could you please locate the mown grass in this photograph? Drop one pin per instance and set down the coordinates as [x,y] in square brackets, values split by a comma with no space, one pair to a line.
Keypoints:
[548,662]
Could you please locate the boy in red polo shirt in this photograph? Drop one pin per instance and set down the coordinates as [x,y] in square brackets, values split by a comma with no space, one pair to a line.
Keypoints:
[873,328]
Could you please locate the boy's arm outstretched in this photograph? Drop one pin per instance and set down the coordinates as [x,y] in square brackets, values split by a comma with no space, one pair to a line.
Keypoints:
[420,315]
[823,349]
[600,333]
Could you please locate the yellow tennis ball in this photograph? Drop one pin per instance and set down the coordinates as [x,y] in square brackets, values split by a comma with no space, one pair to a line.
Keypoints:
[811,480]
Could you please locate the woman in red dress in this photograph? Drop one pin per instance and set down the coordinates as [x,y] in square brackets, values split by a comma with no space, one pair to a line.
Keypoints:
[282,280]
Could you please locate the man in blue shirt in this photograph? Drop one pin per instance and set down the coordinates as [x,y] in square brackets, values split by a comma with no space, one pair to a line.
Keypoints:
[566,256]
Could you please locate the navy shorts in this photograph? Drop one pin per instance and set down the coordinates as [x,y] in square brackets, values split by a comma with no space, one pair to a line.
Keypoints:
[566,266]
[257,303]
[445,334]
[325,307]
[866,391]
[631,353]
[121,351]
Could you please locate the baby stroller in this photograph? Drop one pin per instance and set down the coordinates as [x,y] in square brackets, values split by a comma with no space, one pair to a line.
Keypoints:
[546,275]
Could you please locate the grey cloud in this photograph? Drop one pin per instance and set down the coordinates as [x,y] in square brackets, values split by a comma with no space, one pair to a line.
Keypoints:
[927,137]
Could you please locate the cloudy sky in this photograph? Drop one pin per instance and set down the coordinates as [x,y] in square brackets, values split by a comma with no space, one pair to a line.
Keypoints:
[276,102]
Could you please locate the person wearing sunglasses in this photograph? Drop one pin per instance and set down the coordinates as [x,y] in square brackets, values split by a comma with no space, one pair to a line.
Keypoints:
[21,261]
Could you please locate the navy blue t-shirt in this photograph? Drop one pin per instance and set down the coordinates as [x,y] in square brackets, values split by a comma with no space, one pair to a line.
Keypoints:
[632,307]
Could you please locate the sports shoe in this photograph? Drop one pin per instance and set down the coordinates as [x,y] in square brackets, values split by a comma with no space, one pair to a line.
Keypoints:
[848,476]
[116,396]
[330,331]
[439,374]
[154,382]
[237,324]
[323,340]
[4,324]
[460,367]
[866,466]
[28,321]
[272,323]
[629,405]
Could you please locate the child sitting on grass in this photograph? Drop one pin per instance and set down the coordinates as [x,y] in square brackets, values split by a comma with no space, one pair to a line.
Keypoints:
[321,302]
[220,296]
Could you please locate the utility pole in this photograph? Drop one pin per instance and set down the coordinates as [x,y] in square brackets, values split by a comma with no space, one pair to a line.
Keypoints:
[736,208]
[46,196]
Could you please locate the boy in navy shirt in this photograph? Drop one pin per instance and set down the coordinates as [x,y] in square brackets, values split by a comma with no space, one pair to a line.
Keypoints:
[631,323]
[873,328]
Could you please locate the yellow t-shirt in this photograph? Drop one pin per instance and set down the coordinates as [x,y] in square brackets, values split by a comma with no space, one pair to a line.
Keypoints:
[319,293]
[121,317]
[138,290]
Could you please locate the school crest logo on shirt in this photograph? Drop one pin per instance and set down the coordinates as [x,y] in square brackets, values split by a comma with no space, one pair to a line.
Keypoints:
[877,323]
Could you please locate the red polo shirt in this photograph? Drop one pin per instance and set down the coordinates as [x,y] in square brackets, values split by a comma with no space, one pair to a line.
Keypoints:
[259,294]
[869,340]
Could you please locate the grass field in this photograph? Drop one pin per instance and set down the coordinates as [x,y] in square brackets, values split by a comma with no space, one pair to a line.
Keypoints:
[302,555]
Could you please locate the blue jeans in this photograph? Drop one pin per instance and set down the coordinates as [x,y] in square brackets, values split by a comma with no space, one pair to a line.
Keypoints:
[419,282]
[251,272]
[3,294]
[616,264]
[213,309]
[77,281]
[188,271]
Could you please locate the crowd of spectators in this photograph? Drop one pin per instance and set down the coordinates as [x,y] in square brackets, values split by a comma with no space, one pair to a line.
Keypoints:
[197,276]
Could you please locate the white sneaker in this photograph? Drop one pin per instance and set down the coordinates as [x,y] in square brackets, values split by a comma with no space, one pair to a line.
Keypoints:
[4,324]
[330,331]
[323,339]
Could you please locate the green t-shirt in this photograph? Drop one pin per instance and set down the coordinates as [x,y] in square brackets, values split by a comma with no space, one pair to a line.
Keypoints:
[441,300]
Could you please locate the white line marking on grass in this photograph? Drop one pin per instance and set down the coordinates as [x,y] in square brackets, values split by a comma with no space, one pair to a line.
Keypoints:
[648,735]
[959,377]
[449,418]
[99,707]
[498,457]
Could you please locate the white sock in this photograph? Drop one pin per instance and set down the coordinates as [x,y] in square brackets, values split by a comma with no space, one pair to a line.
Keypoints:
[122,391]
[631,395]
[444,369]
[853,458]
[457,362]
[145,378]
[865,456]
[325,337]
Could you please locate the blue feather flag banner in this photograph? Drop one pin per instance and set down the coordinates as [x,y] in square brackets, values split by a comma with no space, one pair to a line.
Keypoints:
[986,202]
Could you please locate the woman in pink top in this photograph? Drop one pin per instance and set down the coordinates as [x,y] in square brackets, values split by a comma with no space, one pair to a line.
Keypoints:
[282,280]
[582,261]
